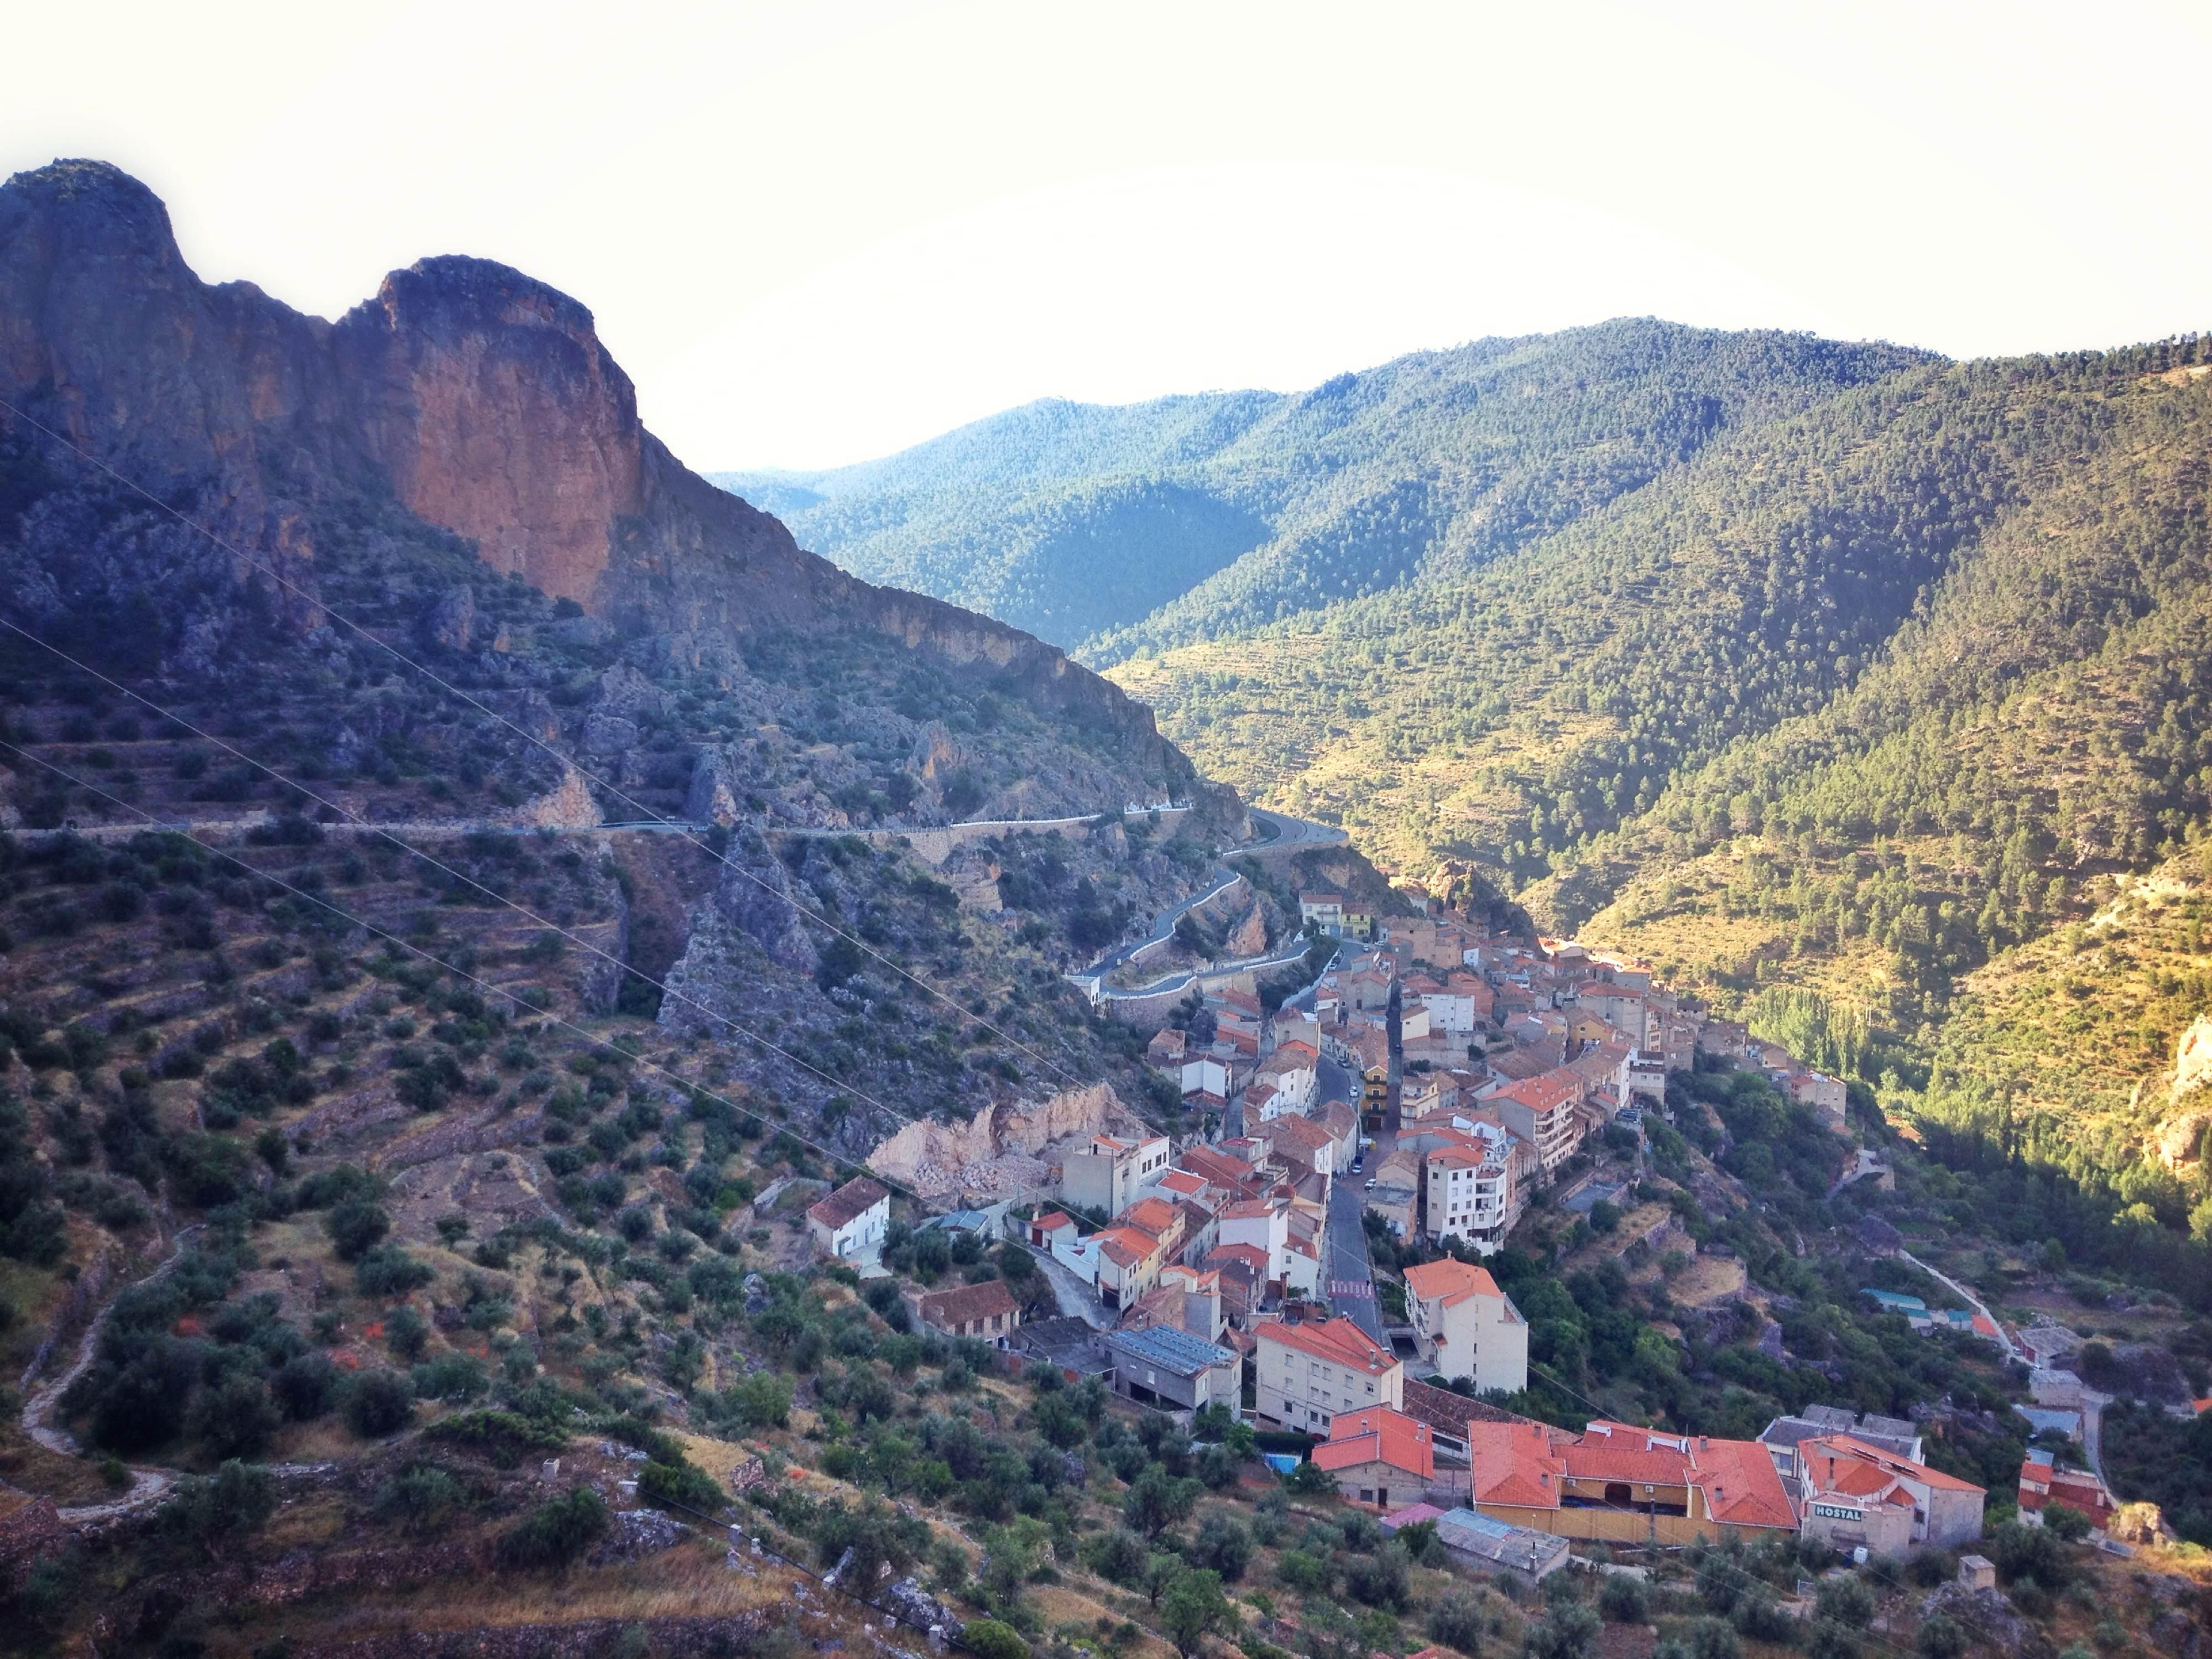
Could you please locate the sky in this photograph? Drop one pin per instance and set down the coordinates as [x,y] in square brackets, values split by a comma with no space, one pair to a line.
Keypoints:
[814,234]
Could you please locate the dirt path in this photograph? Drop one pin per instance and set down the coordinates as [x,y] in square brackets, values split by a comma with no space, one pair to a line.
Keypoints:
[148,1483]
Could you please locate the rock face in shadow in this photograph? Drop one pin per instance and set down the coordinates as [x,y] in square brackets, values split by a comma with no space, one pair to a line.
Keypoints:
[480,399]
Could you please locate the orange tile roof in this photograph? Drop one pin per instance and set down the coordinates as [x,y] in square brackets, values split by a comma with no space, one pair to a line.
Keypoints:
[1450,1279]
[1149,1215]
[1547,1092]
[1337,1340]
[1515,1463]
[1183,1183]
[1250,1209]
[1846,1446]
[1378,1435]
[1125,1246]
[1053,1221]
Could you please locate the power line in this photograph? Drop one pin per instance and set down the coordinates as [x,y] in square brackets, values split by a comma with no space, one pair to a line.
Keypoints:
[390,938]
[532,738]
[426,857]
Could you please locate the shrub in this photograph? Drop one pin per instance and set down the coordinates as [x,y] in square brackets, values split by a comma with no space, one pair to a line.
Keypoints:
[684,1484]
[389,1271]
[210,1511]
[235,1418]
[1941,1637]
[303,1386]
[1848,1601]
[1569,1631]
[1117,1556]
[1621,1599]
[378,1403]
[2066,1523]
[556,1532]
[420,1500]
[1456,1621]
[454,1378]
[356,1226]
[1223,1545]
[406,1332]
[987,1639]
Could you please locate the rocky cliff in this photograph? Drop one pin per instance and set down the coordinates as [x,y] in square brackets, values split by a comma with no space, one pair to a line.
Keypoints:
[480,399]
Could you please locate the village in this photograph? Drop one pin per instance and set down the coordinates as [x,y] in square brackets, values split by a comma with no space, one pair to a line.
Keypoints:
[1432,1083]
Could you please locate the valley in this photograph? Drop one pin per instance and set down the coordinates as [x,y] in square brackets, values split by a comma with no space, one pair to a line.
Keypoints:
[1607,910]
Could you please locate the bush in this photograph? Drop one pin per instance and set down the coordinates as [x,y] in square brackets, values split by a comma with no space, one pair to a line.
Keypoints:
[1456,1621]
[557,1532]
[389,1271]
[379,1403]
[1941,1637]
[235,1418]
[454,1379]
[356,1226]
[303,1386]
[406,1332]
[1378,1579]
[420,1500]
[2066,1523]
[503,1436]
[1847,1601]
[684,1484]
[239,1498]
[1569,1631]
[1223,1545]
[1622,1599]
[1118,1557]
[987,1639]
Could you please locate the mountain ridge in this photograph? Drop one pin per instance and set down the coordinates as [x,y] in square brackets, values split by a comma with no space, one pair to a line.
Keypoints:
[479,397]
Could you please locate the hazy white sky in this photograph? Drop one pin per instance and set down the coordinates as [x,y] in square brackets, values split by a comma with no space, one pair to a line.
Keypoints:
[817,232]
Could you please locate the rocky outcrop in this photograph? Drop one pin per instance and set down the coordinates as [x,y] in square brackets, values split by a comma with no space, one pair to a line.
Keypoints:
[481,399]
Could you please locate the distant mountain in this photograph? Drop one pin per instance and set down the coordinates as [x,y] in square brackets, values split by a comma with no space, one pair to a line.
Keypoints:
[1114,531]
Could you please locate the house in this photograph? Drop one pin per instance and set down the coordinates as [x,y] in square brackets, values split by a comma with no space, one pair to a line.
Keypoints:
[988,1311]
[1129,1264]
[1068,1344]
[2043,1483]
[1243,1270]
[1448,1415]
[1046,1232]
[1395,1193]
[1189,1298]
[1105,1174]
[1541,1111]
[1625,1485]
[1854,1495]
[1488,1546]
[1726,1038]
[1466,1326]
[1264,1104]
[1424,1094]
[1825,1095]
[1473,1178]
[852,1220]
[1342,1124]
[1206,1074]
[1293,1070]
[1323,912]
[1894,1434]
[1166,1366]
[1304,1141]
[1167,1050]
[1310,1370]
[1379,1457]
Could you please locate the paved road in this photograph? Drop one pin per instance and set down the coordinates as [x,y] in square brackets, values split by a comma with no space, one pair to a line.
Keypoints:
[1299,832]
[1343,1256]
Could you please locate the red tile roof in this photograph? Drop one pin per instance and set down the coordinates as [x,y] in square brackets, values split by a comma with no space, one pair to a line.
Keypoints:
[1337,1340]
[949,1310]
[1378,1435]
[852,1199]
[1554,1089]
[1053,1221]
[1450,1279]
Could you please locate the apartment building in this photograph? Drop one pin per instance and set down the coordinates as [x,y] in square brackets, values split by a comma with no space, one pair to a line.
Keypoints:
[1310,1371]
[1466,1326]
[1109,1172]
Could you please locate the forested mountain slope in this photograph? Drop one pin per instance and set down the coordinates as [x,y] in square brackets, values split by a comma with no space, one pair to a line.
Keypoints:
[1128,530]
[1847,704]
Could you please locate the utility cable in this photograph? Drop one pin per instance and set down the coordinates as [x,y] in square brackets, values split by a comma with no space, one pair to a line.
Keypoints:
[529,737]
[382,833]
[503,995]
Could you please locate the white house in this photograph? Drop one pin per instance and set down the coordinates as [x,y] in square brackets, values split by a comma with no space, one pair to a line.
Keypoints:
[1466,1326]
[852,1220]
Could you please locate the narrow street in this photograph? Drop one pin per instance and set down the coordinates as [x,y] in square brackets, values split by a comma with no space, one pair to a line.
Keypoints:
[1346,1274]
